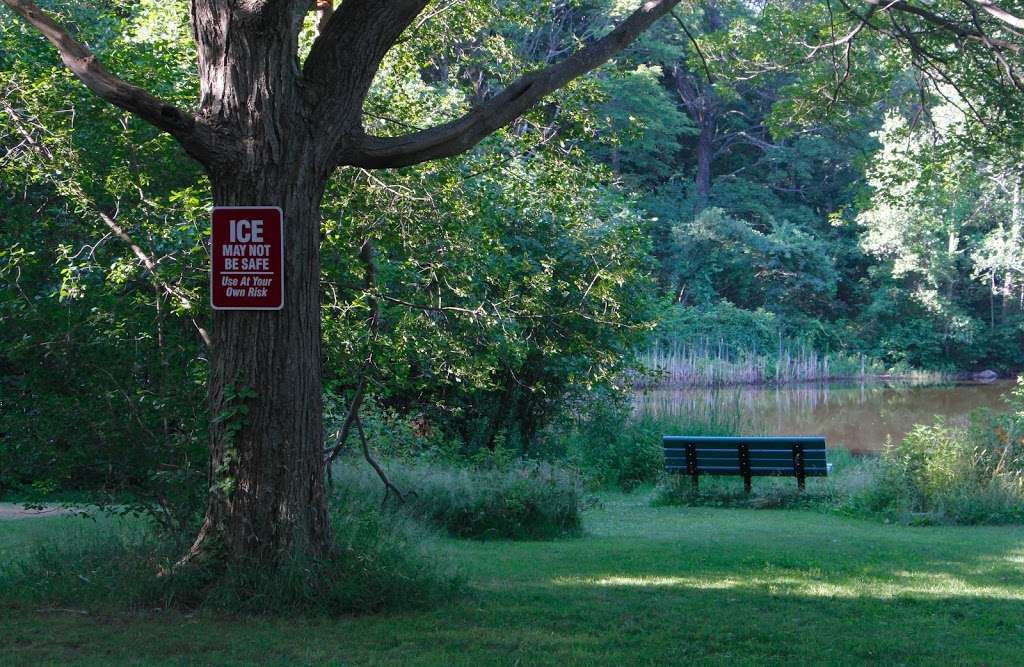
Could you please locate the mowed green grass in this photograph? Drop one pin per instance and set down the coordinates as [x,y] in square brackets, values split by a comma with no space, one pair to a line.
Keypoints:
[644,586]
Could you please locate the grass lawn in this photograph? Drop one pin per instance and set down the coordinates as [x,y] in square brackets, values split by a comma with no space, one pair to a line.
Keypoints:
[644,586]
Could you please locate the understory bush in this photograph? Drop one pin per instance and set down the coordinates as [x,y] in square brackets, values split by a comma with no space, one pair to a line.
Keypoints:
[943,473]
[614,447]
[524,500]
[380,561]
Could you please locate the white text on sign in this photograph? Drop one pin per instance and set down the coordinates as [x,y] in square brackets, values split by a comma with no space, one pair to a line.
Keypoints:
[246,231]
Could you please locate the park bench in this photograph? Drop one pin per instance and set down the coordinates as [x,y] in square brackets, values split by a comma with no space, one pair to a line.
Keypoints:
[797,456]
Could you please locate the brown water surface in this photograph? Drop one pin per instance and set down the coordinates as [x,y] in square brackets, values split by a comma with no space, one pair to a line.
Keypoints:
[858,416]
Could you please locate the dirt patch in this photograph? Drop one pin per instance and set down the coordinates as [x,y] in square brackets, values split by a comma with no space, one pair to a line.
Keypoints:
[16,511]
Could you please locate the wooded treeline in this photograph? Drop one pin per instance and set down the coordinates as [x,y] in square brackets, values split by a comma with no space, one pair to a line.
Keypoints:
[727,179]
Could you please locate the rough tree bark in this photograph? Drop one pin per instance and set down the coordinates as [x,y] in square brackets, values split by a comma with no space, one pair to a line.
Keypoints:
[702,104]
[270,132]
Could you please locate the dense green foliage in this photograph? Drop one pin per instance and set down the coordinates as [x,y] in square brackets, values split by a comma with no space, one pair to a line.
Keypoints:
[959,474]
[101,374]
[600,436]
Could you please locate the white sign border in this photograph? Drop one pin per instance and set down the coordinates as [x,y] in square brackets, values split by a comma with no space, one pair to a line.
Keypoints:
[280,215]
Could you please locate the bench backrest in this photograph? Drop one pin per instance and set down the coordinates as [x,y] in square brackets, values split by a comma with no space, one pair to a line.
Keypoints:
[767,455]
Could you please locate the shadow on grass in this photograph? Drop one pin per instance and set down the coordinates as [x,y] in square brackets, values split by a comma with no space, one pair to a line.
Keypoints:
[646,586]
[612,622]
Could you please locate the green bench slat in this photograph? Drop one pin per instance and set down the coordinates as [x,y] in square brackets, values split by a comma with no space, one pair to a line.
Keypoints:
[767,455]
[760,450]
[765,441]
[788,457]
[754,456]
[776,453]
[766,473]
[754,463]
[754,472]
[735,464]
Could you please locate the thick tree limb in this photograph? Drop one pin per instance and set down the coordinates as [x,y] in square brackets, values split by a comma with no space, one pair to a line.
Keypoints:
[462,134]
[960,30]
[350,47]
[992,9]
[81,61]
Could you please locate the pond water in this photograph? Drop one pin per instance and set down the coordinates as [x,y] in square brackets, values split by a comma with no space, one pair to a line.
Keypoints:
[858,416]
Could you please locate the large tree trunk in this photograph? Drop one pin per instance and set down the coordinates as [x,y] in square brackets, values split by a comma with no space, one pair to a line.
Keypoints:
[267,496]
[266,499]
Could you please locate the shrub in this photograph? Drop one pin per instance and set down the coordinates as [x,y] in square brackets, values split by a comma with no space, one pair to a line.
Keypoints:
[953,474]
[381,561]
[614,447]
[525,501]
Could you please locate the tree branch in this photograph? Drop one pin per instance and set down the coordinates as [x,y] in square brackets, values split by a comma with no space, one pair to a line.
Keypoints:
[464,133]
[389,486]
[848,37]
[954,28]
[1001,14]
[696,46]
[349,49]
[342,437]
[174,291]
[81,61]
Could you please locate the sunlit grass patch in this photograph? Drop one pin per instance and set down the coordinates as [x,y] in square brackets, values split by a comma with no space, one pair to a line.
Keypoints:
[902,584]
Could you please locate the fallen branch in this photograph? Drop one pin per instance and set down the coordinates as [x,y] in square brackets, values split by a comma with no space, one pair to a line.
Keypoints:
[346,427]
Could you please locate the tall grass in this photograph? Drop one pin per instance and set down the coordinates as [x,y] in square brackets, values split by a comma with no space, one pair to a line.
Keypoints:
[380,561]
[707,364]
[524,500]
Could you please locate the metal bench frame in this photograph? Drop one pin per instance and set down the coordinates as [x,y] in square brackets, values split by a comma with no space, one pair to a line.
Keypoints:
[755,457]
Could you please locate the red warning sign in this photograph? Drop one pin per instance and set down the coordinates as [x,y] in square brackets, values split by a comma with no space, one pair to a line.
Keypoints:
[247,256]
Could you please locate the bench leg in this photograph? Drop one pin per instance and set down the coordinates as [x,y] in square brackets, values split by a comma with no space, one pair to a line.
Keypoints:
[798,466]
[691,464]
[743,454]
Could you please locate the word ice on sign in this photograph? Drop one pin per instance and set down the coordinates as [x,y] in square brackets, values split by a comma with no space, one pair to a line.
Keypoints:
[247,258]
